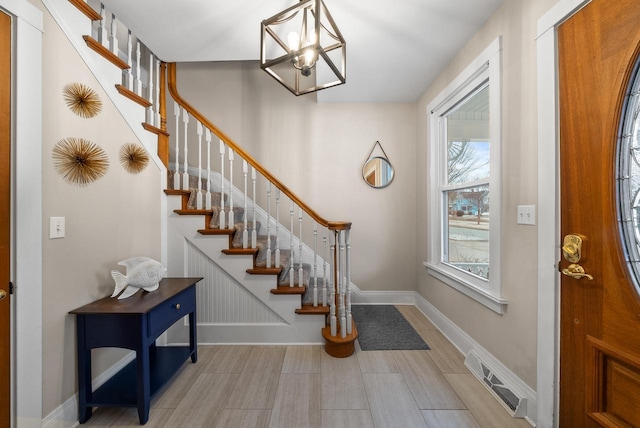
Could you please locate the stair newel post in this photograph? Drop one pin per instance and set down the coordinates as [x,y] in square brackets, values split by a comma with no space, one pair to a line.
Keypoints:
[185,149]
[245,230]
[114,35]
[222,216]
[254,231]
[325,282]
[341,287]
[291,253]
[138,73]
[347,235]
[199,132]
[268,264]
[103,34]
[129,61]
[207,198]
[150,90]
[332,296]
[277,258]
[315,263]
[231,223]
[176,175]
[300,270]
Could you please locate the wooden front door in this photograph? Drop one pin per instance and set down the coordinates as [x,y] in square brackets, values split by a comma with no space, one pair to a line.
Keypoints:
[5,219]
[598,52]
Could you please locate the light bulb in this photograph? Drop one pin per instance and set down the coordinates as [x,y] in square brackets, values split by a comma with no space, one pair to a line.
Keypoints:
[293,41]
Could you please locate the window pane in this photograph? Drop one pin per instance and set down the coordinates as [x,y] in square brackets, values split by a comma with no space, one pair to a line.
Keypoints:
[467,230]
[468,139]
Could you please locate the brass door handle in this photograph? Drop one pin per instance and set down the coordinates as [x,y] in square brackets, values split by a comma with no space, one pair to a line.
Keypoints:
[576,271]
[3,294]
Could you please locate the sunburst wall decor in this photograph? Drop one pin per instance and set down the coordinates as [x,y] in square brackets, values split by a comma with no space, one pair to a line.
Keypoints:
[82,100]
[80,161]
[133,157]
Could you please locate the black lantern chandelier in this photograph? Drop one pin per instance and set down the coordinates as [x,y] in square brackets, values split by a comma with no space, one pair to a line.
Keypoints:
[302,48]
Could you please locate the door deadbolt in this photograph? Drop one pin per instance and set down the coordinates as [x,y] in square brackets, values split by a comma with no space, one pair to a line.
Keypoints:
[572,248]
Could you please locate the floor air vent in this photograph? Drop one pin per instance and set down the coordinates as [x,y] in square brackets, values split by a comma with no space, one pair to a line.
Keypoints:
[515,404]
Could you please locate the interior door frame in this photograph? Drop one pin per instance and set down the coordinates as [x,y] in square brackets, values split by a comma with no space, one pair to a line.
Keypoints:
[27,227]
[548,358]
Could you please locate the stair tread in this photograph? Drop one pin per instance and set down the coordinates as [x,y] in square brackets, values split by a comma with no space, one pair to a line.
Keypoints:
[313,310]
[231,251]
[193,212]
[176,192]
[285,289]
[216,231]
[264,271]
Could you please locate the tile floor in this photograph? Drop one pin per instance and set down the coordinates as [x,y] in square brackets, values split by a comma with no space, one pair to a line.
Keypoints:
[302,386]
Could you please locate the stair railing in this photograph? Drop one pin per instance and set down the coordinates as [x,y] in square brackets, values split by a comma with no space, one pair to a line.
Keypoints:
[329,277]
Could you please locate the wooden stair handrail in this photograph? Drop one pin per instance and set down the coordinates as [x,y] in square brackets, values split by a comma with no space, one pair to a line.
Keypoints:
[173,90]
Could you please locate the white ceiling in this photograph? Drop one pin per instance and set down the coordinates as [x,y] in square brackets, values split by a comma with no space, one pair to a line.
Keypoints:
[394,49]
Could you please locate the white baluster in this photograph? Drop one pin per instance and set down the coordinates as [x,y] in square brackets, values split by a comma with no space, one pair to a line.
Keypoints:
[332,300]
[232,221]
[207,199]
[103,33]
[325,283]
[151,114]
[113,35]
[291,253]
[138,71]
[185,174]
[254,231]
[129,62]
[300,270]
[268,264]
[176,175]
[277,261]
[222,215]
[341,287]
[348,281]
[245,230]
[315,264]
[199,132]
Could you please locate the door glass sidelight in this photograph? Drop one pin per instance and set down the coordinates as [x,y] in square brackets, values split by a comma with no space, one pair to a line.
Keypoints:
[628,176]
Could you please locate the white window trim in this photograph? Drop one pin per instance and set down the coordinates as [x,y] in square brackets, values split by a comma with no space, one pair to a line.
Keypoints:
[488,65]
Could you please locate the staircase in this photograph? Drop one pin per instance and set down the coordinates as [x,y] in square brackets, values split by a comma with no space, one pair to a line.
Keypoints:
[225,211]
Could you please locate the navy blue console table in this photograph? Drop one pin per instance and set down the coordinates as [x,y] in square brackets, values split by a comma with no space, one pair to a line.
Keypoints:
[134,323]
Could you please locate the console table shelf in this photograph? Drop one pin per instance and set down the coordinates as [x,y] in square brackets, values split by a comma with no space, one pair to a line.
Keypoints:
[134,323]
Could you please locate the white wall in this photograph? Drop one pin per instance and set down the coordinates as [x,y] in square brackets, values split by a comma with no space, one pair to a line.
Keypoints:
[112,219]
[510,337]
[318,151]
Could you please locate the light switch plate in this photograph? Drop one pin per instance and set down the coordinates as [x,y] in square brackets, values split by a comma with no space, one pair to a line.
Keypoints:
[56,227]
[527,215]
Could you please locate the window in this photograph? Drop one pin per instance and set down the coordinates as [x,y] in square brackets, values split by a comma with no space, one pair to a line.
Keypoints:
[464,181]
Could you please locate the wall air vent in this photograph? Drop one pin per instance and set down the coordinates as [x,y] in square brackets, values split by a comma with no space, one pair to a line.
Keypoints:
[497,384]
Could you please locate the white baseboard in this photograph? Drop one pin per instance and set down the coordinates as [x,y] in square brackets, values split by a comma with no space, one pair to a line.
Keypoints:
[66,415]
[465,343]
[359,297]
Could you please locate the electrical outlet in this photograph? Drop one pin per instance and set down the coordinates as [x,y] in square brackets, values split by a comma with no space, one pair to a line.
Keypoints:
[527,214]
[56,227]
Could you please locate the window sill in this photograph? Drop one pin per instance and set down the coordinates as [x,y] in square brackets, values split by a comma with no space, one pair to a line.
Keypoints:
[496,304]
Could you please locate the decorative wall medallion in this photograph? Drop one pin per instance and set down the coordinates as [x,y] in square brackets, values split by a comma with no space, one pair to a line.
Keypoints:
[82,100]
[133,157]
[80,161]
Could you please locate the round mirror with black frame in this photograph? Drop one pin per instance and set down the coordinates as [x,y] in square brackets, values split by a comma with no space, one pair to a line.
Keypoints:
[377,171]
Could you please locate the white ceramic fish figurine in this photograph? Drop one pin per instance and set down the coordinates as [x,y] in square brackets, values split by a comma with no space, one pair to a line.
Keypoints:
[142,272]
